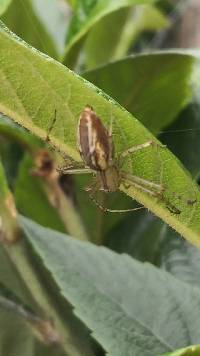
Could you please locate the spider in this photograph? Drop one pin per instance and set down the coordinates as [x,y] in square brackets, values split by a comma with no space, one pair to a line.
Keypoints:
[96,148]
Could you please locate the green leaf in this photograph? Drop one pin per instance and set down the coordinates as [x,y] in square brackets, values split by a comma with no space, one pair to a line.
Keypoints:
[189,351]
[150,86]
[104,38]
[4,5]
[86,15]
[22,20]
[132,308]
[146,18]
[22,98]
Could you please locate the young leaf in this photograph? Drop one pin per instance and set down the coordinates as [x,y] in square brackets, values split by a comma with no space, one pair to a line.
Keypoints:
[117,32]
[36,86]
[107,34]
[86,15]
[148,18]
[131,308]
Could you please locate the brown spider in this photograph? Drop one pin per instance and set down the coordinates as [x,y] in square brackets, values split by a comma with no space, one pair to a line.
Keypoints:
[96,148]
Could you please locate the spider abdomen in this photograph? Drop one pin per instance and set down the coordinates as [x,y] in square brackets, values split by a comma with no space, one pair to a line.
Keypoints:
[93,140]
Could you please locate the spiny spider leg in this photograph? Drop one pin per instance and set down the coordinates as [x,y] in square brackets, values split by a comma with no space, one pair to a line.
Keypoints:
[143,185]
[142,182]
[107,210]
[94,187]
[91,192]
[48,140]
[51,127]
[136,148]
[65,170]
[142,188]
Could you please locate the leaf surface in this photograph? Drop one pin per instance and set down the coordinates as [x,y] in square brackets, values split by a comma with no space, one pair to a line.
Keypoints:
[132,308]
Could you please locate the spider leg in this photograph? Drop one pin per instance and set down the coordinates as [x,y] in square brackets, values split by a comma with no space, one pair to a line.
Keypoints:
[49,141]
[94,188]
[134,149]
[151,188]
[70,170]
[51,126]
[143,182]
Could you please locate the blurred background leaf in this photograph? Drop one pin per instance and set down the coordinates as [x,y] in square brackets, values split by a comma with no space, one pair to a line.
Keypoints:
[111,38]
[28,185]
[3,5]
[55,16]
[153,87]
[21,18]
[86,15]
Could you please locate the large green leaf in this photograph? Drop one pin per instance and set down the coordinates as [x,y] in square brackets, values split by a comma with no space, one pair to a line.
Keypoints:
[22,20]
[86,15]
[22,98]
[154,87]
[132,308]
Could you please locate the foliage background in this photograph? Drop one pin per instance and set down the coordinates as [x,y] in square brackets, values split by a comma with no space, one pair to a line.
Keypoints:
[120,305]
